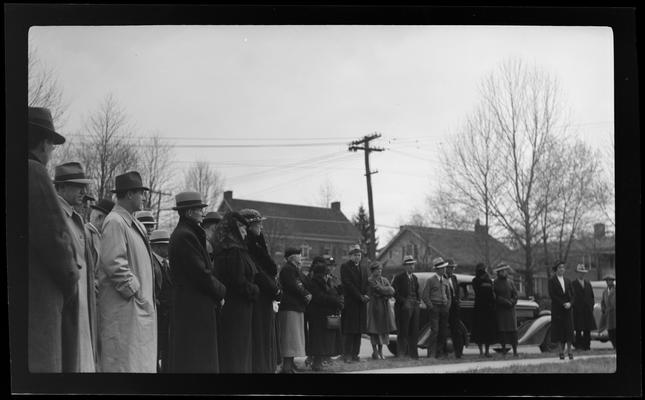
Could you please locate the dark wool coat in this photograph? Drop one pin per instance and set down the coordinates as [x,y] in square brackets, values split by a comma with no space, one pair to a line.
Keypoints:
[53,275]
[354,281]
[484,322]
[505,301]
[195,295]
[324,301]
[163,298]
[236,270]
[583,319]
[294,291]
[403,289]
[264,333]
[561,318]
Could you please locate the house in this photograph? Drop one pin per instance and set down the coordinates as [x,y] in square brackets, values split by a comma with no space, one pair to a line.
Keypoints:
[466,248]
[315,230]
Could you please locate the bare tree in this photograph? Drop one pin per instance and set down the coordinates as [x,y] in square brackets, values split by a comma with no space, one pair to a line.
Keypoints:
[446,211]
[200,177]
[155,169]
[605,191]
[326,194]
[44,89]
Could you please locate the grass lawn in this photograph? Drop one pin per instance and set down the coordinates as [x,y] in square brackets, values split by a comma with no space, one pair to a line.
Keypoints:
[338,366]
[601,365]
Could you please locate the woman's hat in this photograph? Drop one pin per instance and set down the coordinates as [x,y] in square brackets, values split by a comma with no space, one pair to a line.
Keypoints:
[581,268]
[556,265]
[407,260]
[252,215]
[71,172]
[189,200]
[159,236]
[211,217]
[128,181]
[451,263]
[354,249]
[41,123]
[291,251]
[145,217]
[104,205]
[318,260]
[319,268]
[439,263]
[609,277]
[374,265]
[501,267]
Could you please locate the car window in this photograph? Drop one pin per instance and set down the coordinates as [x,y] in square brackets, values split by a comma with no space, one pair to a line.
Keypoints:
[466,292]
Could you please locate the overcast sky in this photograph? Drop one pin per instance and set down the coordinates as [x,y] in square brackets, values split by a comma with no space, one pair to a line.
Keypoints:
[319,84]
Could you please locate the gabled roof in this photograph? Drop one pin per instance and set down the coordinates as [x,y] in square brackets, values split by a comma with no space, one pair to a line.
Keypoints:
[297,220]
[465,247]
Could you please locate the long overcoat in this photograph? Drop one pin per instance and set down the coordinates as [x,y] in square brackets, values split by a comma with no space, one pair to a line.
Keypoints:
[505,301]
[561,318]
[378,312]
[53,276]
[127,316]
[325,301]
[484,325]
[354,281]
[235,268]
[265,352]
[608,307]
[583,319]
[195,293]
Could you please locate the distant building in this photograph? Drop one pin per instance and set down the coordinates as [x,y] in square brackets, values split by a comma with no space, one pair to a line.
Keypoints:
[315,230]
[466,248]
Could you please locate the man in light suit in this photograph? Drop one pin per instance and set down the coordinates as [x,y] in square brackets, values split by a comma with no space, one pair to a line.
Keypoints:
[436,296]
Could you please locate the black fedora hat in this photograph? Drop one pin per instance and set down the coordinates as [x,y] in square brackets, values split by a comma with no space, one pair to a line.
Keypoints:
[104,205]
[128,181]
[41,123]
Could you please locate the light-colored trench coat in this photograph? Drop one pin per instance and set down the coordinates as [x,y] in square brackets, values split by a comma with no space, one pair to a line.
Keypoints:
[126,307]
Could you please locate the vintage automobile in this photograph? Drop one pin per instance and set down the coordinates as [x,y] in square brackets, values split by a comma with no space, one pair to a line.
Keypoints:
[526,311]
[539,332]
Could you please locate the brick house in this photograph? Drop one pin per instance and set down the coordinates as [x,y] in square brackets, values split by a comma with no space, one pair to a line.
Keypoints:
[315,230]
[467,248]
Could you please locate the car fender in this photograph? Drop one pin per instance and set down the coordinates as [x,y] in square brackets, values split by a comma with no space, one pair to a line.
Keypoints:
[533,332]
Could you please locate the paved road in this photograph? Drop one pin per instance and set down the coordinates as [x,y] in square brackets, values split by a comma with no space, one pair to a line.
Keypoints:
[462,367]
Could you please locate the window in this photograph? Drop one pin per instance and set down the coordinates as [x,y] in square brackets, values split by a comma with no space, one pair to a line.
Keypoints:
[305,250]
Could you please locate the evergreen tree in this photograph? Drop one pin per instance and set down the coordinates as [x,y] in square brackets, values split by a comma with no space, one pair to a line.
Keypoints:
[362,222]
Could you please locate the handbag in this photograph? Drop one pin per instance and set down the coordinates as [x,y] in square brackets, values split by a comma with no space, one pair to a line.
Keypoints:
[333,321]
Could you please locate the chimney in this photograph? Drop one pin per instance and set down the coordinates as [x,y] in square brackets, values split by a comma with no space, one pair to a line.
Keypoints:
[480,229]
[228,195]
[599,231]
[335,205]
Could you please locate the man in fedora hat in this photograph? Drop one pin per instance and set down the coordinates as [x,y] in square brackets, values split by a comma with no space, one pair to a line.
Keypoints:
[193,346]
[354,315]
[52,273]
[159,241]
[71,184]
[211,219]
[406,309]
[505,301]
[608,308]
[127,312]
[93,228]
[147,220]
[583,319]
[436,297]
[457,333]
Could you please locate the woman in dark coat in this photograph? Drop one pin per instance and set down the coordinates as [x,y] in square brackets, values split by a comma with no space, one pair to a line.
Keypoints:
[379,321]
[583,319]
[236,269]
[193,342]
[484,328]
[325,301]
[264,331]
[561,293]
[505,301]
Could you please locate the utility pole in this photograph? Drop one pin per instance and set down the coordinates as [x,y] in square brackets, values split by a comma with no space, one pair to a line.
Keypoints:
[354,146]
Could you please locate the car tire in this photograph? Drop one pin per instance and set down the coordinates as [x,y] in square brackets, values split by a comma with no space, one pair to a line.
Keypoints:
[392,348]
[547,346]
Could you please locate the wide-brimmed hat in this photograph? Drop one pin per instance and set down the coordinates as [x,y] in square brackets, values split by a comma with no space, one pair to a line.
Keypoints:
[501,266]
[451,263]
[374,265]
[581,268]
[145,217]
[331,260]
[407,260]
[439,263]
[41,123]
[609,277]
[189,200]
[291,251]
[211,217]
[354,249]
[104,205]
[128,181]
[71,172]
[159,236]
[89,197]
[252,215]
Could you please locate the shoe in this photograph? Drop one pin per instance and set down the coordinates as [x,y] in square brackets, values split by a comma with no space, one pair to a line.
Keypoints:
[487,355]
[316,368]
[561,356]
[375,356]
[570,356]
[380,356]
[356,358]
